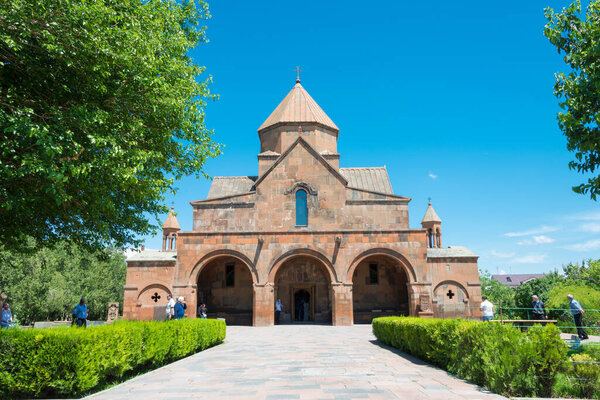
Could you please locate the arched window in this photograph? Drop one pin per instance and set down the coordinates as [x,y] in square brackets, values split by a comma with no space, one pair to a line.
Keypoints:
[301,208]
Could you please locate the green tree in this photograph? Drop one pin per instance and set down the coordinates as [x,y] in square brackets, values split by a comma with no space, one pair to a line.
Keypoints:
[496,291]
[540,287]
[577,37]
[46,283]
[101,112]
[588,273]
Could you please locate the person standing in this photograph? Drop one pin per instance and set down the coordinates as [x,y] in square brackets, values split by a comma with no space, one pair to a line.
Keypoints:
[80,313]
[178,309]
[278,309]
[577,312]
[6,319]
[170,305]
[487,309]
[202,311]
[539,311]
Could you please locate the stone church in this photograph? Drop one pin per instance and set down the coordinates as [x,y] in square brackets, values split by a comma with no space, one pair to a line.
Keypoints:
[333,244]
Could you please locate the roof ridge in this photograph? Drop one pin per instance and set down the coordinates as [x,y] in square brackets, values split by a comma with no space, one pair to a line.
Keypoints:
[234,177]
[364,167]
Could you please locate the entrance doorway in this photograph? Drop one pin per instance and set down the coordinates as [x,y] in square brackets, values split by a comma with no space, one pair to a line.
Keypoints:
[302,285]
[303,309]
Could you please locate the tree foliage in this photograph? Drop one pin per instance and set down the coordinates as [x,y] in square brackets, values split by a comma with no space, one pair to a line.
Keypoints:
[577,37]
[101,111]
[540,287]
[495,290]
[46,284]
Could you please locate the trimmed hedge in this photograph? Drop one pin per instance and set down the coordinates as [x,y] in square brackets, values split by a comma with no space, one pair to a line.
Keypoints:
[70,361]
[498,357]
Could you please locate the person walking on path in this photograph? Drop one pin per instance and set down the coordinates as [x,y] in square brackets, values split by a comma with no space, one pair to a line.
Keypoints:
[80,313]
[179,310]
[539,311]
[6,319]
[278,309]
[487,308]
[577,312]
[170,305]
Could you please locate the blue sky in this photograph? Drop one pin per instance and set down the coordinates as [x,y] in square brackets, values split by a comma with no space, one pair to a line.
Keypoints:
[454,98]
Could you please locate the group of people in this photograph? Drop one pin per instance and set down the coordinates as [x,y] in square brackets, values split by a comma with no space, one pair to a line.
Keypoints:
[538,312]
[176,309]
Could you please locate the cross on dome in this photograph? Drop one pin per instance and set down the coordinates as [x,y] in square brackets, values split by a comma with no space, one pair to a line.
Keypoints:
[298,70]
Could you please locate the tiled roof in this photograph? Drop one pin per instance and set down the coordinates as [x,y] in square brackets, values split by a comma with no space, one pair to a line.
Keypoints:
[298,106]
[153,255]
[374,179]
[230,185]
[171,221]
[515,279]
[431,215]
[452,251]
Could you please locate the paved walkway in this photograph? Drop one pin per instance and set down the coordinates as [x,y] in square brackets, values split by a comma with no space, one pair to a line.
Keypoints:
[297,362]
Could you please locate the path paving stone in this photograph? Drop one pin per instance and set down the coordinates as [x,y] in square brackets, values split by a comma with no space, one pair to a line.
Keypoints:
[298,362]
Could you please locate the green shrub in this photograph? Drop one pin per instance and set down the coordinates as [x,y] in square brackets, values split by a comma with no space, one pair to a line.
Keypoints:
[585,376]
[498,357]
[70,361]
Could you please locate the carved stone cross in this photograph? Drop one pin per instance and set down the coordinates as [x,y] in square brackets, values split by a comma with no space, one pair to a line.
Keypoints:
[450,294]
[155,297]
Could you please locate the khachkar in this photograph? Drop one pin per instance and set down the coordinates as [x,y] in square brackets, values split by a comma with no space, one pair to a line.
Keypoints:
[333,244]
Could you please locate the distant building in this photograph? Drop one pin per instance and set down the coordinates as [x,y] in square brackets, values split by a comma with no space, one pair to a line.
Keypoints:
[514,280]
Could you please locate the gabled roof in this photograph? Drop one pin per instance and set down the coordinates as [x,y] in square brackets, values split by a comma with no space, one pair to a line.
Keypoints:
[230,185]
[171,221]
[297,107]
[431,215]
[301,142]
[514,280]
[373,179]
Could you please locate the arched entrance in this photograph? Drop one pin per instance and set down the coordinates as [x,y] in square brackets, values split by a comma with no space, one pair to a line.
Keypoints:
[225,285]
[379,288]
[303,286]
[450,300]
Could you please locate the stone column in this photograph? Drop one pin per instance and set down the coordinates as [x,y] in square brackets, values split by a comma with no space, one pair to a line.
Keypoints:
[342,310]
[130,302]
[420,297]
[263,312]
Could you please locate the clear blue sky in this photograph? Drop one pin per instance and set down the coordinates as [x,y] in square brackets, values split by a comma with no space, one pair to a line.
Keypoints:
[454,98]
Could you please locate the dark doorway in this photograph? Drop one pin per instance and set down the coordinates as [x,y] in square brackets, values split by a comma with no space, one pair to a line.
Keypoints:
[302,306]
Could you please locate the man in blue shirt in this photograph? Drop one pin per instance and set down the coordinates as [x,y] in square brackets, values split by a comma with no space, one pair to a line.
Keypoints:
[577,312]
[80,313]
[179,309]
[278,308]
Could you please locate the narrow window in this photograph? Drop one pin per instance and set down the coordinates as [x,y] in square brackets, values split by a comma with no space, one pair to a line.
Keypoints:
[373,275]
[230,275]
[301,208]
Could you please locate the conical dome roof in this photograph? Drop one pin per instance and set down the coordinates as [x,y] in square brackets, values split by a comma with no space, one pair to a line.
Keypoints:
[171,221]
[430,215]
[297,107]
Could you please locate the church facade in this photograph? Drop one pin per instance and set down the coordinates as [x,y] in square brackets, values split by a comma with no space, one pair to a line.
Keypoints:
[333,244]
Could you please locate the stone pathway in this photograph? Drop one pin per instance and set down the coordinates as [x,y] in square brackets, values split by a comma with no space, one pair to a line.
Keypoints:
[297,362]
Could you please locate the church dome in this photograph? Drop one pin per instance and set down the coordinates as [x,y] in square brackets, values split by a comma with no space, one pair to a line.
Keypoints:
[298,107]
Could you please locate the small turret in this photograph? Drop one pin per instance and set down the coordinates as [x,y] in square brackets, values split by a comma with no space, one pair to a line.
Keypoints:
[433,224]
[170,229]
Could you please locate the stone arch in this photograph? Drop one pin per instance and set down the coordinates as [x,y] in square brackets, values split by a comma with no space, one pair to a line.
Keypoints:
[451,282]
[207,258]
[307,252]
[402,261]
[451,304]
[152,287]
